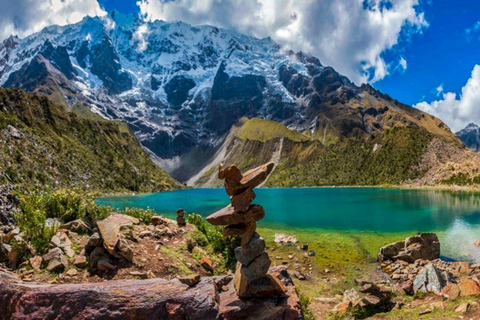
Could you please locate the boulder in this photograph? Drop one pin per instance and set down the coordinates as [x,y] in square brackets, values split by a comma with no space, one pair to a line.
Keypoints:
[158,220]
[105,264]
[62,241]
[469,287]
[117,299]
[451,291]
[424,246]
[58,263]
[430,279]
[36,262]
[94,241]
[124,249]
[110,232]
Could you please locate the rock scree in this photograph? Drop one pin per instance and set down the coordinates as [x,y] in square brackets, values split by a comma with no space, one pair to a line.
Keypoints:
[239,218]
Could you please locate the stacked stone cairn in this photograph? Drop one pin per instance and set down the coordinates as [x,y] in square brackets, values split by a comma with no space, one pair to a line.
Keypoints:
[181,218]
[240,218]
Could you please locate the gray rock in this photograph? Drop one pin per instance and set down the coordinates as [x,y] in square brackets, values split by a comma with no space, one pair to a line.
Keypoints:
[257,268]
[58,263]
[430,280]
[252,250]
[51,254]
[94,241]
[124,249]
[95,256]
[422,246]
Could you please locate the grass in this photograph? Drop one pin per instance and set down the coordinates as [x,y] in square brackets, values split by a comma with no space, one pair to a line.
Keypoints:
[257,129]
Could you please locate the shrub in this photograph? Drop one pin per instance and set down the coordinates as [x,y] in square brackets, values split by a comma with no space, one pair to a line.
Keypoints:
[219,243]
[144,215]
[304,304]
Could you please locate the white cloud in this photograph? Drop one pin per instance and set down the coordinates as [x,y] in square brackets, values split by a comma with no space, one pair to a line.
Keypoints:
[140,37]
[457,112]
[23,17]
[440,90]
[403,63]
[350,35]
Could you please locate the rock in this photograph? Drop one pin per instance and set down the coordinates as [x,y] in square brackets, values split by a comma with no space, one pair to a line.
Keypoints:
[141,275]
[110,232]
[236,183]
[80,262]
[264,287]
[52,253]
[72,272]
[429,280]
[158,220]
[463,307]
[311,253]
[124,249]
[285,239]
[246,254]
[36,262]
[116,299]
[206,263]
[228,216]
[78,226]
[241,202]
[351,295]
[451,291]
[425,311]
[342,308]
[181,218]
[407,287]
[95,256]
[58,263]
[422,246]
[105,264]
[4,251]
[477,243]
[257,268]
[145,234]
[94,241]
[62,241]
[299,276]
[190,280]
[469,287]
[284,306]
[303,247]
[7,238]
[12,132]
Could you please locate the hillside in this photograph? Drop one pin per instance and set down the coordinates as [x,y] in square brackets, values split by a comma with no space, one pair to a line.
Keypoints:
[186,96]
[41,143]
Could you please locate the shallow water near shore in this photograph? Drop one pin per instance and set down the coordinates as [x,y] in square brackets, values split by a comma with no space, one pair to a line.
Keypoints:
[375,212]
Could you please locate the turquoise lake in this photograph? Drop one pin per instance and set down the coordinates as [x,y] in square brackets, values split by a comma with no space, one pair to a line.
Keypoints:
[455,215]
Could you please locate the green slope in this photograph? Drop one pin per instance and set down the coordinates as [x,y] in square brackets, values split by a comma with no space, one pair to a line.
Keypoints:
[62,149]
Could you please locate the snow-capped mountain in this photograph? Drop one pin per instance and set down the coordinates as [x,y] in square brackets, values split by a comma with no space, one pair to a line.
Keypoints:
[470,135]
[181,88]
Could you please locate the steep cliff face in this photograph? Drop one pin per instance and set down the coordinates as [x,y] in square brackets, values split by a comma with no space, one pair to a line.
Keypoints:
[470,135]
[182,89]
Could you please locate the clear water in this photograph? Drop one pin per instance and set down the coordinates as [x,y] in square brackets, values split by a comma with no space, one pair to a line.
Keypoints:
[455,215]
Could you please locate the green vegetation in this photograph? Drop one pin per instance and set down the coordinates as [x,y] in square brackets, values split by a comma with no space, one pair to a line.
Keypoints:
[62,206]
[263,130]
[59,149]
[214,237]
[304,304]
[354,162]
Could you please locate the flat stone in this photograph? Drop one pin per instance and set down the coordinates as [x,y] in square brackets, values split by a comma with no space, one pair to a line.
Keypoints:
[110,232]
[285,239]
[264,287]
[141,275]
[469,287]
[257,268]
[114,299]
[228,216]
[235,229]
[236,183]
[190,280]
[254,177]
[242,201]
[246,254]
[463,307]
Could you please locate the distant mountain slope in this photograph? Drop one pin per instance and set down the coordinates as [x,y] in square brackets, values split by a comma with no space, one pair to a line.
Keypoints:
[470,135]
[187,91]
[41,143]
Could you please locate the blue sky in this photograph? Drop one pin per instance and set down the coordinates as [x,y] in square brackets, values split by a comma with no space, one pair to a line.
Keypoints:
[425,53]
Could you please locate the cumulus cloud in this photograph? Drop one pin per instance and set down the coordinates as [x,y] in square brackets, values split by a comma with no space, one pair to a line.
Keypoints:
[457,112]
[23,17]
[350,35]
[439,90]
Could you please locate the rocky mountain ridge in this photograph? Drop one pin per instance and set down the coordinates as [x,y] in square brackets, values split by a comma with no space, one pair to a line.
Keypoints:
[184,91]
[470,135]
